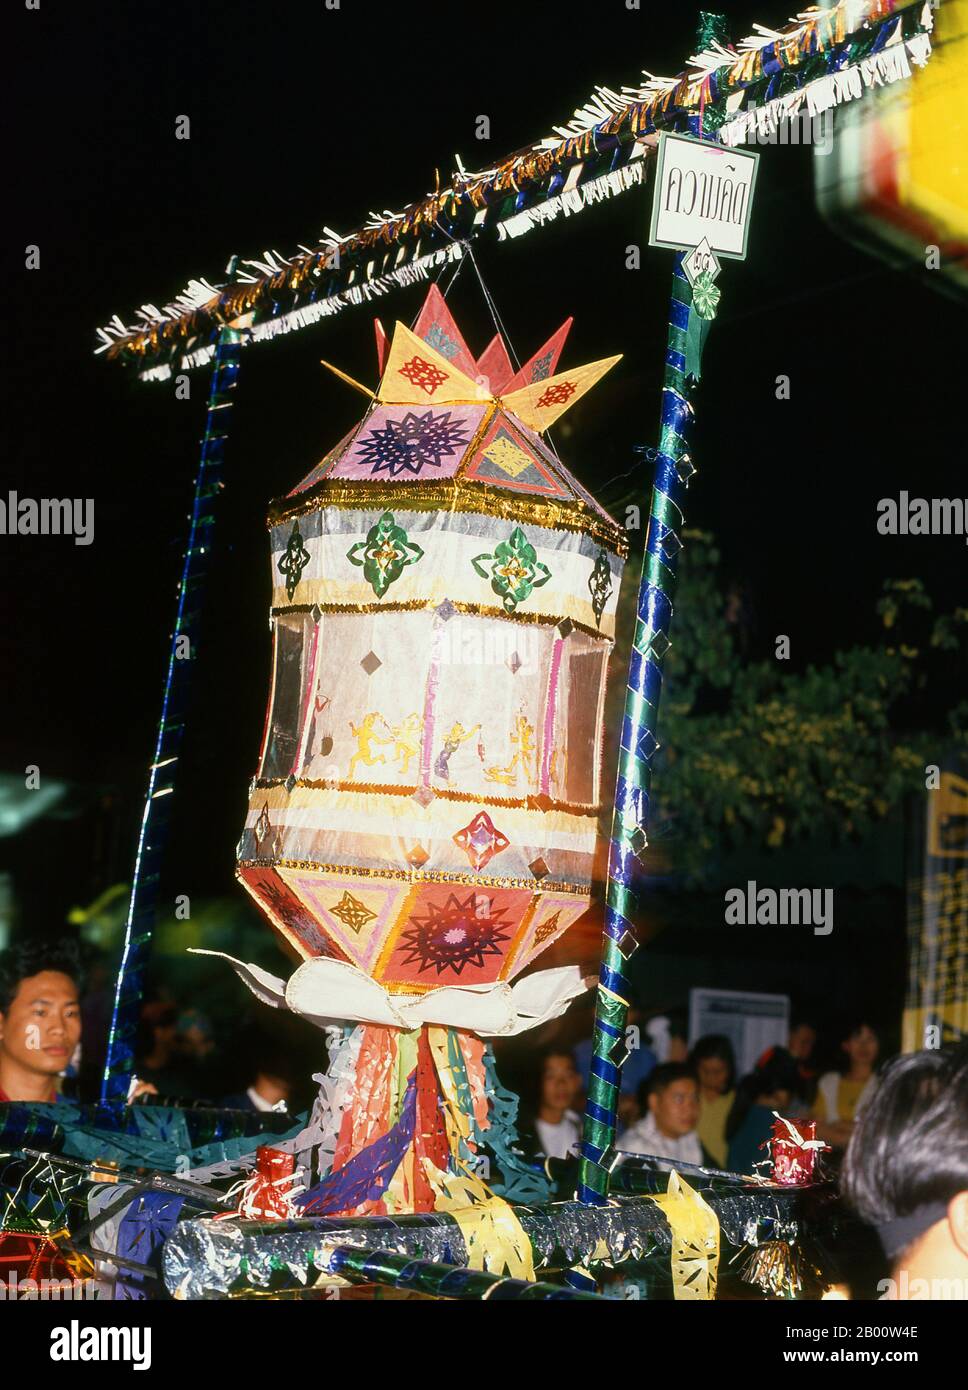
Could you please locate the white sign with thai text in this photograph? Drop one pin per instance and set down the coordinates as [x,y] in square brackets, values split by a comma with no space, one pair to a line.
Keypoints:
[703,191]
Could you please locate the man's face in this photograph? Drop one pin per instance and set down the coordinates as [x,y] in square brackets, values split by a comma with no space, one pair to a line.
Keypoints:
[676,1109]
[802,1042]
[42,1026]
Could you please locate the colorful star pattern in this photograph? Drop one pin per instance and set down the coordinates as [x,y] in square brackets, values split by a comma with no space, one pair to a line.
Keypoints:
[384,554]
[416,441]
[294,560]
[352,913]
[423,374]
[455,934]
[515,570]
[557,394]
[481,840]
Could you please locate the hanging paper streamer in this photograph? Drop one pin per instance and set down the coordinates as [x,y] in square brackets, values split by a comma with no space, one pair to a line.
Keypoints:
[695,1240]
[495,1238]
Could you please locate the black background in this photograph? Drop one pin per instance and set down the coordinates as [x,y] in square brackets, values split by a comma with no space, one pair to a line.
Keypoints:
[300,117]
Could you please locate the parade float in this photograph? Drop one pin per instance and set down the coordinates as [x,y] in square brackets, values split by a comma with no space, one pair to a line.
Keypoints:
[423,817]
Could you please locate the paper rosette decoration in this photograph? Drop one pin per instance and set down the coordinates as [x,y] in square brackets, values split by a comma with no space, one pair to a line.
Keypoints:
[443,609]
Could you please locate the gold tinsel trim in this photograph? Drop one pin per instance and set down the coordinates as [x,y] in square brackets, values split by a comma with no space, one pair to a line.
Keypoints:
[376,789]
[411,605]
[533,885]
[465,495]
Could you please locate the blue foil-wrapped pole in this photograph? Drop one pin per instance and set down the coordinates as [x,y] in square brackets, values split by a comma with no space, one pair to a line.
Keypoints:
[639,744]
[163,771]
[638,747]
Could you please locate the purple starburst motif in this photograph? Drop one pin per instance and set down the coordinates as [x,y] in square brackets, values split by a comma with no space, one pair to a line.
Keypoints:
[407,445]
[455,934]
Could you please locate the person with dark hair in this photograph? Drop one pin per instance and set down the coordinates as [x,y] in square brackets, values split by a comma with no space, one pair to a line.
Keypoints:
[270,1076]
[906,1171]
[714,1063]
[557,1126]
[801,1044]
[771,1087]
[40,1017]
[669,1098]
[842,1095]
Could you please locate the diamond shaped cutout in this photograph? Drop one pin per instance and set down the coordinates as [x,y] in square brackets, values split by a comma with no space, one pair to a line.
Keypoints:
[539,868]
[514,663]
[619,1053]
[445,611]
[646,745]
[417,857]
[315,612]
[657,645]
[541,802]
[424,795]
[566,627]
[290,782]
[638,841]
[685,469]
[370,663]
[627,945]
[670,544]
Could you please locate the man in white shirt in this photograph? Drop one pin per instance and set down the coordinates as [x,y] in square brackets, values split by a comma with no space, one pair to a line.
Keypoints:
[669,1128]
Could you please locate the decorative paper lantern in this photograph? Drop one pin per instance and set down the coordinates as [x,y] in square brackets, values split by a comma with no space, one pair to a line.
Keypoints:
[443,608]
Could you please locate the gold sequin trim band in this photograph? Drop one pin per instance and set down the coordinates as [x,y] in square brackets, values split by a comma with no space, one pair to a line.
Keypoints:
[478,610]
[533,885]
[456,495]
[512,803]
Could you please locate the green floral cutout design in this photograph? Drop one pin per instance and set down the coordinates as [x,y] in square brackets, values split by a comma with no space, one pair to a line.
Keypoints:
[706,296]
[514,571]
[384,554]
[294,560]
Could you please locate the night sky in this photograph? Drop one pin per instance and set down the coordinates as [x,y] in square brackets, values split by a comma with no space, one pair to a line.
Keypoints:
[302,117]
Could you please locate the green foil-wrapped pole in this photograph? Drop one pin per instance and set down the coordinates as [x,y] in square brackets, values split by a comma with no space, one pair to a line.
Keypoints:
[637,751]
[438,1280]
[639,744]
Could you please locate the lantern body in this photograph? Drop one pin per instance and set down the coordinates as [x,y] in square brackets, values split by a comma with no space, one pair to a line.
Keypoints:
[443,608]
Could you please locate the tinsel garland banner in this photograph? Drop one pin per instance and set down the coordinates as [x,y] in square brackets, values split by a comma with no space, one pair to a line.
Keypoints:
[216,1258]
[825,56]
